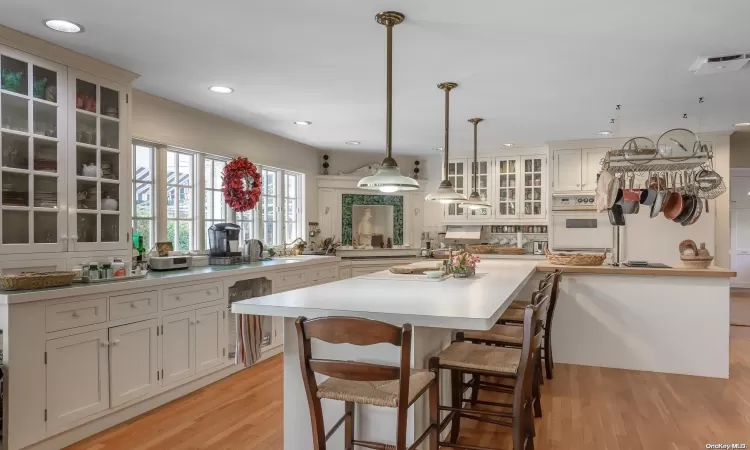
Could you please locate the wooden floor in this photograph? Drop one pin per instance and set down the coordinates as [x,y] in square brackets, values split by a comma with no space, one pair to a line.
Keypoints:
[584,408]
[740,307]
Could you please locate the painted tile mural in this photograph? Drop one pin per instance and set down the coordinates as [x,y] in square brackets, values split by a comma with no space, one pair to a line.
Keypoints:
[349,200]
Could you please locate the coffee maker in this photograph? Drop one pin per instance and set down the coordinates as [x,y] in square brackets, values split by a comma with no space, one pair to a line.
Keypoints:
[224,240]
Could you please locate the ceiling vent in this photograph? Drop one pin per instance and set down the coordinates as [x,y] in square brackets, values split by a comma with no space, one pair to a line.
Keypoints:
[709,65]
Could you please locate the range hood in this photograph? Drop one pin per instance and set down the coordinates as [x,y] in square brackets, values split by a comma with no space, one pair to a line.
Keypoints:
[464,232]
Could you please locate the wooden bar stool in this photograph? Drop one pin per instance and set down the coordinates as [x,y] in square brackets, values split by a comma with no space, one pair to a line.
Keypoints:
[510,336]
[484,360]
[364,383]
[513,316]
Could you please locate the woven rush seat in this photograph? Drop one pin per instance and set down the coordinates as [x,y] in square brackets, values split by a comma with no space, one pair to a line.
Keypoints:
[377,393]
[503,333]
[515,315]
[481,357]
[519,304]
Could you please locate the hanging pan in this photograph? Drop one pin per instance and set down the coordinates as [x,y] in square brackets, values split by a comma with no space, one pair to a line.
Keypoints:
[673,203]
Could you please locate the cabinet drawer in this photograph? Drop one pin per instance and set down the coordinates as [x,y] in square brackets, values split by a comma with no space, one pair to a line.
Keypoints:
[131,305]
[76,314]
[345,273]
[191,295]
[291,279]
[324,274]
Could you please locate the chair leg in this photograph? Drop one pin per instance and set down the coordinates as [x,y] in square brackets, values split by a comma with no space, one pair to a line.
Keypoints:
[475,390]
[530,427]
[456,402]
[536,392]
[549,363]
[434,402]
[349,426]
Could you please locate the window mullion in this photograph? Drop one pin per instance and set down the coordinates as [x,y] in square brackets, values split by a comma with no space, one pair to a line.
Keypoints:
[160,180]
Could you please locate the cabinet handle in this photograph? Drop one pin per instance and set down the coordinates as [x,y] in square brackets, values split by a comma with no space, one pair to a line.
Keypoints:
[208,292]
[105,344]
[327,209]
[74,238]
[115,342]
[197,321]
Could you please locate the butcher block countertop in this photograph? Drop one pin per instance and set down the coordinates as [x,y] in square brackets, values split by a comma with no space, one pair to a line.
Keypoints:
[677,271]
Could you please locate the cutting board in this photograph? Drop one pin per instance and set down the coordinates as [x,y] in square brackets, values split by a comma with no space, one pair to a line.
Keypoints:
[416,268]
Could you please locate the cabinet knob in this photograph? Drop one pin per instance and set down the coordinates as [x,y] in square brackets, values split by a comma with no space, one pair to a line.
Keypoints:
[104,344]
[327,209]
[177,298]
[133,305]
[75,313]
[74,238]
[208,292]
[115,342]
[197,321]
[192,322]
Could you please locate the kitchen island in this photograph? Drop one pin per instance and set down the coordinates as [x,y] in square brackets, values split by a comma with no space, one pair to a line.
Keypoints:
[435,309]
[658,320]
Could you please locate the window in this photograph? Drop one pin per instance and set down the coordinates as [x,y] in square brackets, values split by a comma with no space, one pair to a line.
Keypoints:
[180,204]
[216,208]
[170,184]
[144,222]
[281,208]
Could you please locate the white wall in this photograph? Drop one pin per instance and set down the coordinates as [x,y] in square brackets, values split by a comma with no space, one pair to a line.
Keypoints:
[162,121]
[739,155]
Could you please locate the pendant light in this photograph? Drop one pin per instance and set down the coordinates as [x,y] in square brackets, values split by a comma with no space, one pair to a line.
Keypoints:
[388,178]
[475,201]
[445,193]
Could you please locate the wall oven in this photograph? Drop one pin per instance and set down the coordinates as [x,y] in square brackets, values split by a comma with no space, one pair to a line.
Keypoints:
[576,226]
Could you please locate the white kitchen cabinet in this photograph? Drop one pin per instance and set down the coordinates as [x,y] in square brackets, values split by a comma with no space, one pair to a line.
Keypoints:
[133,361]
[77,378]
[740,246]
[178,346]
[210,337]
[591,165]
[533,200]
[97,135]
[483,171]
[457,175]
[567,170]
[32,138]
[506,188]
[54,121]
[574,171]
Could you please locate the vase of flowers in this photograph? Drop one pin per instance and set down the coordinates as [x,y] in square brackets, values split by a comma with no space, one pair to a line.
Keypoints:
[464,264]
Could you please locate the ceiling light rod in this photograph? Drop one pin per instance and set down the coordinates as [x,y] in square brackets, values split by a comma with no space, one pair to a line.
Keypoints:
[445,193]
[388,178]
[475,121]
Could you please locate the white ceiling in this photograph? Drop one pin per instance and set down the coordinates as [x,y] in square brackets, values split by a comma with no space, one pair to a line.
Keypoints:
[535,70]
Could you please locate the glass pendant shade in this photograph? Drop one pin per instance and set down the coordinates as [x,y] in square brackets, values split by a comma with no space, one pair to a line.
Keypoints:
[445,194]
[388,178]
[475,202]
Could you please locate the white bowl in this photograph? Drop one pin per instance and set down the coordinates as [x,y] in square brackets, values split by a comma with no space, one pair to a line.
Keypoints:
[434,273]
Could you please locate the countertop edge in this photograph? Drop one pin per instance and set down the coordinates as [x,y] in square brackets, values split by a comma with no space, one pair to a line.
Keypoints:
[712,272]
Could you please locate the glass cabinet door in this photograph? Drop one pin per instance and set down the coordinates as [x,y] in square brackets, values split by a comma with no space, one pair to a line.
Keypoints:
[97,167]
[482,172]
[32,128]
[533,190]
[457,171]
[506,187]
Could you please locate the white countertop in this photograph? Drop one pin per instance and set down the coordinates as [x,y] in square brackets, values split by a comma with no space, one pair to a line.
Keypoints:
[159,278]
[456,303]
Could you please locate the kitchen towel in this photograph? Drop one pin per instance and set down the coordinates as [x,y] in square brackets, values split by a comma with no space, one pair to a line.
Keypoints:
[249,337]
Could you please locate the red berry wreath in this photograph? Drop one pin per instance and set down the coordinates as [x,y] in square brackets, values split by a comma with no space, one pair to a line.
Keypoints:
[241,184]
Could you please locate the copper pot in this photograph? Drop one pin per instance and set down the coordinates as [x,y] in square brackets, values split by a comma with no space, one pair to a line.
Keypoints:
[674,203]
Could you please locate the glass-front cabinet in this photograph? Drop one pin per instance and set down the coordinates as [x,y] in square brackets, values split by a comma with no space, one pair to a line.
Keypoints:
[515,186]
[96,165]
[62,169]
[32,161]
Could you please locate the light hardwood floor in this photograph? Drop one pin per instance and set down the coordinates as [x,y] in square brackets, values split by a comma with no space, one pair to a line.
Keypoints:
[585,408]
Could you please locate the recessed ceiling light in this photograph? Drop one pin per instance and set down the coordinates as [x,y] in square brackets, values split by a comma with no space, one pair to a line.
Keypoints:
[302,122]
[353,142]
[221,89]
[63,26]
[438,149]
[508,145]
[742,124]
[604,133]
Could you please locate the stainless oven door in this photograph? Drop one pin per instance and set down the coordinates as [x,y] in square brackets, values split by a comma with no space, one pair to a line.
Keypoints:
[581,231]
